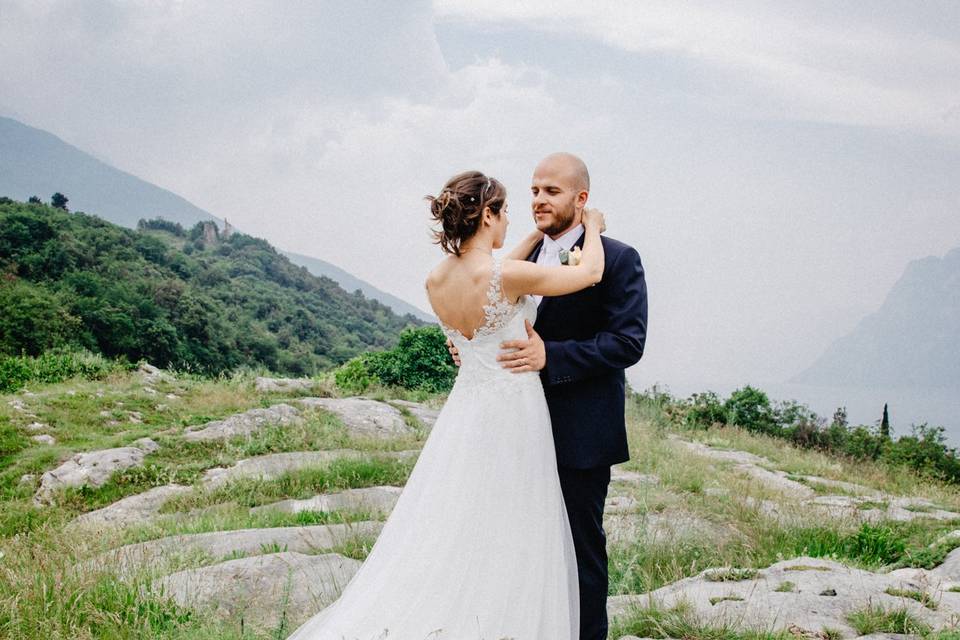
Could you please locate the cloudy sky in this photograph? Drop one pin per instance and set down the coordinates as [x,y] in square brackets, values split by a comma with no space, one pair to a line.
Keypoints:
[777,164]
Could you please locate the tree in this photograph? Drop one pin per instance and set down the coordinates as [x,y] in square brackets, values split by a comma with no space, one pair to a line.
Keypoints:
[34,200]
[885,423]
[59,201]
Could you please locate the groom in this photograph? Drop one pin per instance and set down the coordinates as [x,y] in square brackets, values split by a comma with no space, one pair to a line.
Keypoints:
[581,344]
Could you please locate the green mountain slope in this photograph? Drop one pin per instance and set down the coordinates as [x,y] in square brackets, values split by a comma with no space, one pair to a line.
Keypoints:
[185,299]
[36,162]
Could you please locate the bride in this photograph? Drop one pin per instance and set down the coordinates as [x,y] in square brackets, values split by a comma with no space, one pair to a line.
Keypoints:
[478,546]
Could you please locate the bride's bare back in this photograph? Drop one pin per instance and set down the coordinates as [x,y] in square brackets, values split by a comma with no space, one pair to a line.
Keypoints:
[457,289]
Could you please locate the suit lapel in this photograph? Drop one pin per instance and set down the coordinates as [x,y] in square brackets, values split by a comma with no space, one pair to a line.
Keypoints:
[533,258]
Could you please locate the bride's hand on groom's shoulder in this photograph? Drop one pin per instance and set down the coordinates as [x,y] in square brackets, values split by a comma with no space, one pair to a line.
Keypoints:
[594,216]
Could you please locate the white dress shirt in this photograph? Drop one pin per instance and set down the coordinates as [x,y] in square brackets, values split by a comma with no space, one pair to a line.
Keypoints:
[550,252]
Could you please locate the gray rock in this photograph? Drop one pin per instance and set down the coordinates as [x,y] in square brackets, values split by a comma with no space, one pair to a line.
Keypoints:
[43,438]
[27,478]
[135,509]
[619,504]
[845,486]
[17,404]
[739,457]
[424,415]
[777,480]
[263,591]
[92,468]
[221,544]
[148,445]
[763,607]
[37,426]
[152,375]
[369,500]
[263,384]
[619,474]
[243,424]
[364,417]
[669,525]
[272,465]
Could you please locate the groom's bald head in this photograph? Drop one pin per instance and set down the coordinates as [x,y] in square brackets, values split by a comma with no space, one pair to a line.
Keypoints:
[571,166]
[560,188]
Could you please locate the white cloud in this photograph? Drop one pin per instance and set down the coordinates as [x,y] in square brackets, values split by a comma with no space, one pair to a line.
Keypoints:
[800,66]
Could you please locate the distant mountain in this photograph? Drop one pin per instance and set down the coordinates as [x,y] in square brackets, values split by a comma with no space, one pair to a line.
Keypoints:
[913,340]
[34,162]
[351,283]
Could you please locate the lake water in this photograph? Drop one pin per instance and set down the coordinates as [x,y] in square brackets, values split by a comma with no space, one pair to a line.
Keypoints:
[864,406]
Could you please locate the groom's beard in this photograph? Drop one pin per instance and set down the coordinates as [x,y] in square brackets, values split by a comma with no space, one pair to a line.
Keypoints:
[562,220]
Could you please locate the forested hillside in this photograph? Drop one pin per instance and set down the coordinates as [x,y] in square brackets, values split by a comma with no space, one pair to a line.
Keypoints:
[187,299]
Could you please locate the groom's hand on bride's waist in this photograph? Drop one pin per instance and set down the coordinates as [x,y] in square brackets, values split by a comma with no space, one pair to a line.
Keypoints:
[454,352]
[527,355]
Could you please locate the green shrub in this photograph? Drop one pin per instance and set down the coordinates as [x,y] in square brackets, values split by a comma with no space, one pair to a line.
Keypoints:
[750,408]
[54,366]
[419,361]
[705,410]
[353,376]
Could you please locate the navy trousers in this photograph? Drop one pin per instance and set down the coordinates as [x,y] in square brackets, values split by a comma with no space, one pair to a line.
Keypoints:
[584,493]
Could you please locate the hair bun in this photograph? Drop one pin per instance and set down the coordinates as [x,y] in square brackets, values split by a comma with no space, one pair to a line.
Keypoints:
[459,207]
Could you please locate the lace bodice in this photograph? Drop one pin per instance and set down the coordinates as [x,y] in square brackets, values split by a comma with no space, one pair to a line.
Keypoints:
[502,320]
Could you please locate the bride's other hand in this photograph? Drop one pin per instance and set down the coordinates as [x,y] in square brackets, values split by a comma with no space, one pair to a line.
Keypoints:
[594,217]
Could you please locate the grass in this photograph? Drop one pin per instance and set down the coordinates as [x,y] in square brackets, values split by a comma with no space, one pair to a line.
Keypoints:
[786,587]
[718,599]
[730,574]
[299,483]
[914,594]
[42,595]
[876,619]
[678,622]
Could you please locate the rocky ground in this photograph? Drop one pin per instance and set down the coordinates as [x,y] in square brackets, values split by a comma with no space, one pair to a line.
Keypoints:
[249,519]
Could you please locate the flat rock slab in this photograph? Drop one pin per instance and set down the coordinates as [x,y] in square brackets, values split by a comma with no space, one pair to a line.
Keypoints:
[882,508]
[265,591]
[135,509]
[777,480]
[740,457]
[273,465]
[424,415]
[220,544]
[264,384]
[92,468]
[243,424]
[844,486]
[369,500]
[364,417]
[624,528]
[756,603]
[619,474]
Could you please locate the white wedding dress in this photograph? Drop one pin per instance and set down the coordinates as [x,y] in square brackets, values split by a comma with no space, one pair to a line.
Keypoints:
[478,547]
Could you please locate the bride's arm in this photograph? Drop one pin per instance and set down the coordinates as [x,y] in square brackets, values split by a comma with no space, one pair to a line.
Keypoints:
[520,276]
[526,246]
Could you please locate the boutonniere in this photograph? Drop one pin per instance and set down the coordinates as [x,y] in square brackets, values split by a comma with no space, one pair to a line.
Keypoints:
[571,258]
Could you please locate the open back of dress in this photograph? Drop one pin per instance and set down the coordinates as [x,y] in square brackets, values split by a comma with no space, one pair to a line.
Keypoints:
[478,547]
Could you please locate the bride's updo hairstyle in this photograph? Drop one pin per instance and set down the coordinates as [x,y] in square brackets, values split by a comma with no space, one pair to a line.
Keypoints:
[459,207]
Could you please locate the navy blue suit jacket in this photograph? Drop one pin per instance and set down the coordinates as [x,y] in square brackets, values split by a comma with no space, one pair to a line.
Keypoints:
[591,336]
